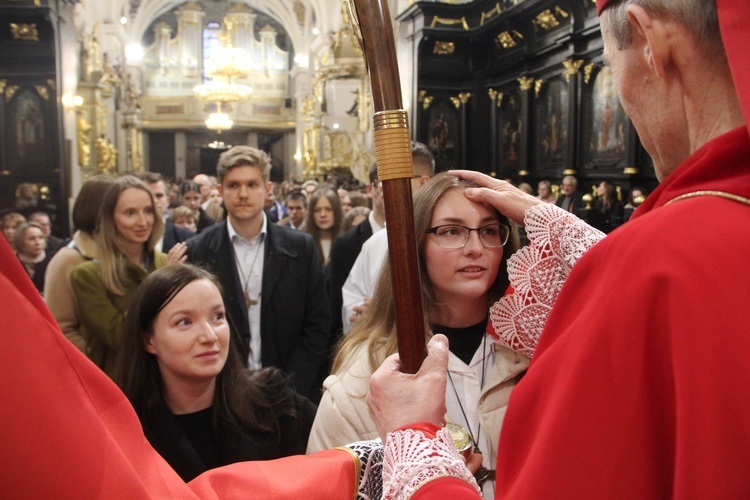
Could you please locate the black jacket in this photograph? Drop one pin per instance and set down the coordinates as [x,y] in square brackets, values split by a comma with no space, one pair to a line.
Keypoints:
[576,202]
[344,253]
[167,437]
[204,221]
[295,317]
[174,235]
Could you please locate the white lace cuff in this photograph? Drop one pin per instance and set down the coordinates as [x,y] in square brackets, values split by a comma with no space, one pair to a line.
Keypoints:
[557,240]
[370,454]
[412,460]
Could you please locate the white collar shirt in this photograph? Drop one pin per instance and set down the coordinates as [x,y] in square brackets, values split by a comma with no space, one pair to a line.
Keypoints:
[249,257]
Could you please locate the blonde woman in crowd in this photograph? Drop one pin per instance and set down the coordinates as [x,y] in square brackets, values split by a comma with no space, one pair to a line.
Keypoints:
[127,231]
[463,249]
[185,218]
[324,218]
[58,292]
[10,223]
[30,245]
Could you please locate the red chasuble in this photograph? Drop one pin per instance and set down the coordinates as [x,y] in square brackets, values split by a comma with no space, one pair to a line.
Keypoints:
[640,386]
[66,431]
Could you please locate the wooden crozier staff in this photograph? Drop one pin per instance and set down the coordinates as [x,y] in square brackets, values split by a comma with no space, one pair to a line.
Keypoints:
[371,21]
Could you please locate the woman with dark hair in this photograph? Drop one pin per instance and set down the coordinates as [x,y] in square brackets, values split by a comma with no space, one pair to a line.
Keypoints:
[324,218]
[58,292]
[463,250]
[191,198]
[127,231]
[609,207]
[199,407]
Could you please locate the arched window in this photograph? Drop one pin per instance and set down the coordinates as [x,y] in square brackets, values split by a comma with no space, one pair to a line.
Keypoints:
[211,41]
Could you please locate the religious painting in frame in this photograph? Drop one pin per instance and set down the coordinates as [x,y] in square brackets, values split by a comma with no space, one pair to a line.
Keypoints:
[510,130]
[443,134]
[552,123]
[606,126]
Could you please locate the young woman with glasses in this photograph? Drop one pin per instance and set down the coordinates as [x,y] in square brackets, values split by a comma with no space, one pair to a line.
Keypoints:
[463,249]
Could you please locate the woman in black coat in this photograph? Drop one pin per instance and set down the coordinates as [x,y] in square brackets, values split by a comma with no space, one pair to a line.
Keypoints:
[199,407]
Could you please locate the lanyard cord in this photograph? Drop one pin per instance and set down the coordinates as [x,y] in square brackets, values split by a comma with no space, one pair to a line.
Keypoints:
[461,406]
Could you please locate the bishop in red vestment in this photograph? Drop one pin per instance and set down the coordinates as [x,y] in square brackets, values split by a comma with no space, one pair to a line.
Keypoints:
[639,385]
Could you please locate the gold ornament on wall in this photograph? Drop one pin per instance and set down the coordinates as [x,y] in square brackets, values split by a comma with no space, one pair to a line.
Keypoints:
[572,66]
[508,39]
[444,48]
[449,22]
[427,101]
[83,140]
[299,11]
[42,91]
[10,92]
[548,20]
[107,155]
[486,16]
[24,32]
[538,86]
[587,70]
[525,82]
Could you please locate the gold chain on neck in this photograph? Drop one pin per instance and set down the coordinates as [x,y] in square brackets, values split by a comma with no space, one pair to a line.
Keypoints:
[720,194]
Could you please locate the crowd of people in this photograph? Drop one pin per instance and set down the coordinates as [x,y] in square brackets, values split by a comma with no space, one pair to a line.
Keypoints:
[567,384]
[226,315]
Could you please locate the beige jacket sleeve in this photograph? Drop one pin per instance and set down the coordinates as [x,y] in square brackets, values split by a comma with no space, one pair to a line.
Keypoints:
[59,295]
[342,416]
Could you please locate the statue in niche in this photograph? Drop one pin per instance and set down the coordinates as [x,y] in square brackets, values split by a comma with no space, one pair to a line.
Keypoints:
[93,59]
[110,74]
[84,142]
[107,155]
[129,93]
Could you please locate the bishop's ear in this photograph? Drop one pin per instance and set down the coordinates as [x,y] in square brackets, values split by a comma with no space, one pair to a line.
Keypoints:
[651,36]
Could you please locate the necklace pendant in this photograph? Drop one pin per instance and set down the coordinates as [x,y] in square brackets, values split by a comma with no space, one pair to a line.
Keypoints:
[483,475]
[248,301]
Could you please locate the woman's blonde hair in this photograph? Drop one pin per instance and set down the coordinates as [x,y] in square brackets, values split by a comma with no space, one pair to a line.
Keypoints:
[108,245]
[377,327]
[21,234]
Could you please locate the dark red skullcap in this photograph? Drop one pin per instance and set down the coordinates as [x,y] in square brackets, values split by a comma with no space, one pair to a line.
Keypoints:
[733,16]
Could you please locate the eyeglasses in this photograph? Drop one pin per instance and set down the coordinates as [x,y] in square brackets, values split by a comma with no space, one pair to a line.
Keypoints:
[455,236]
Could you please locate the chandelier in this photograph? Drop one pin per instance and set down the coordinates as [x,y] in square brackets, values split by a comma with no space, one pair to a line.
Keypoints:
[219,121]
[227,62]
[222,90]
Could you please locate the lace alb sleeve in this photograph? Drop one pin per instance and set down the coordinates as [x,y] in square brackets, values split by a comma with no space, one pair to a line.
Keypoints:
[412,460]
[557,240]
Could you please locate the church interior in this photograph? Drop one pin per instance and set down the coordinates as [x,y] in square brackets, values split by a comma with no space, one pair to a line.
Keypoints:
[513,88]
